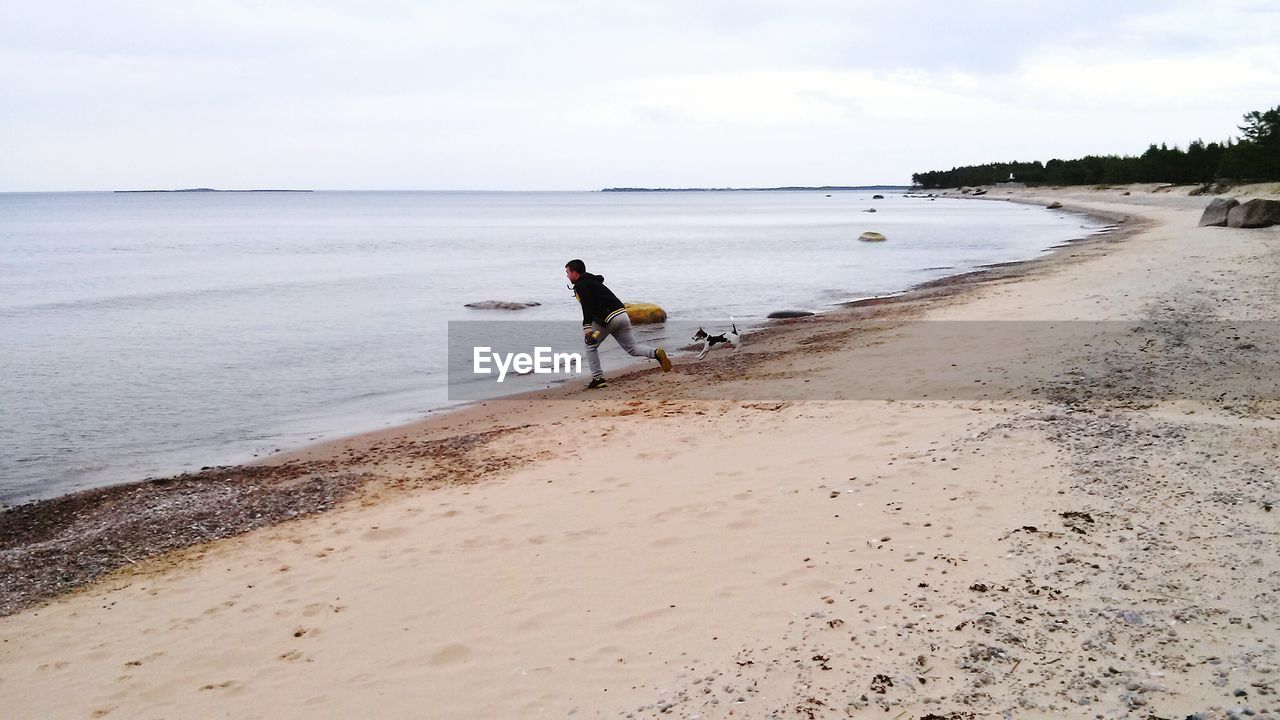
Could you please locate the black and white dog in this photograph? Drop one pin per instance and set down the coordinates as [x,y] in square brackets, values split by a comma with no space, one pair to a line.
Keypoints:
[729,337]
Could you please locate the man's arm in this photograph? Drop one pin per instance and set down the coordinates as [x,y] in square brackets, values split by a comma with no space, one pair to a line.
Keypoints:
[586,317]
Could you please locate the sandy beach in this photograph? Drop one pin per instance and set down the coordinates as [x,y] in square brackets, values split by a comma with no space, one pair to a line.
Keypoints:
[1042,491]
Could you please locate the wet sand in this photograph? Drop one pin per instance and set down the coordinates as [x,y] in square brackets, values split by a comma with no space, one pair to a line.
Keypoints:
[1035,527]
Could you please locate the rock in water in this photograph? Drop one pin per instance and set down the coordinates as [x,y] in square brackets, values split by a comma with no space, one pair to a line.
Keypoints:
[787,314]
[877,197]
[871,237]
[1254,214]
[1054,205]
[1216,213]
[645,313]
[501,305]
[869,210]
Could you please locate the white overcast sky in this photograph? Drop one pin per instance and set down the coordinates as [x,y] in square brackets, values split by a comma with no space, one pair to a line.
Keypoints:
[392,94]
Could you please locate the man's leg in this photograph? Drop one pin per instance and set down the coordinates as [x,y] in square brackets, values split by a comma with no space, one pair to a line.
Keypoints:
[593,351]
[620,328]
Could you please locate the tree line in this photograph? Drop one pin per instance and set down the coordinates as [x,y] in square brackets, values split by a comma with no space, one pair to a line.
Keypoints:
[1253,157]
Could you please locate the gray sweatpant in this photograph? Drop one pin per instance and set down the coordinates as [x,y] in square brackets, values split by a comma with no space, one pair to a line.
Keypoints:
[620,328]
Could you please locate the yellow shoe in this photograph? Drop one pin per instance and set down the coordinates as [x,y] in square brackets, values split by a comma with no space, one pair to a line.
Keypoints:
[663,360]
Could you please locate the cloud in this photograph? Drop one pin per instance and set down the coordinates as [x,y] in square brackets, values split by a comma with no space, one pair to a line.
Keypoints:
[800,99]
[390,94]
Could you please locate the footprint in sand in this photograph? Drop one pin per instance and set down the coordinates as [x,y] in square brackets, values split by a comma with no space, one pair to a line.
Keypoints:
[536,621]
[608,652]
[148,658]
[449,655]
[641,619]
[229,684]
[322,609]
[380,533]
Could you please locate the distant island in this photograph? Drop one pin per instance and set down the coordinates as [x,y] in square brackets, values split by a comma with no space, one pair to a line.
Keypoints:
[205,190]
[821,188]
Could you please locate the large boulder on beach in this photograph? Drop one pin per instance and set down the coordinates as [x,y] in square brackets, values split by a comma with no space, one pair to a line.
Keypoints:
[645,313]
[788,314]
[1254,214]
[1054,205]
[1216,213]
[501,305]
[869,236]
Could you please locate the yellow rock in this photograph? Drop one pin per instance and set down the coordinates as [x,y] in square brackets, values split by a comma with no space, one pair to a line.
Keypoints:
[645,313]
[871,237]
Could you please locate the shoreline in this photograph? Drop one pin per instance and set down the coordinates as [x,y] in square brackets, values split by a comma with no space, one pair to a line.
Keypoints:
[229,431]
[295,483]
[689,551]
[264,454]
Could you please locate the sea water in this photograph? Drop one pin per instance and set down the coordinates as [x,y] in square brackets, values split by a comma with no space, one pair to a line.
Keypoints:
[145,334]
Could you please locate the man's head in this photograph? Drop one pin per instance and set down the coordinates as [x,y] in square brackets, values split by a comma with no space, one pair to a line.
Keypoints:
[574,269]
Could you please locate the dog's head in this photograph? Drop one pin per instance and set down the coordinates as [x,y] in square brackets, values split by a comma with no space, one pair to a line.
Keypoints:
[700,334]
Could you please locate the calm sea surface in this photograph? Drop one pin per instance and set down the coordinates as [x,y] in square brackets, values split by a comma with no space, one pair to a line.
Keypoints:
[148,334]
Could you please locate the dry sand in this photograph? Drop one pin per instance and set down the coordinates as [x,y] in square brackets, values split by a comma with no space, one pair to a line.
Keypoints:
[884,512]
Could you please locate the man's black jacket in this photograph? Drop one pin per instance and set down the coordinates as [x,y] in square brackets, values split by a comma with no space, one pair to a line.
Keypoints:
[599,304]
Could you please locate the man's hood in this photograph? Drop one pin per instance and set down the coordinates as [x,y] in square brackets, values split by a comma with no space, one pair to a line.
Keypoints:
[589,276]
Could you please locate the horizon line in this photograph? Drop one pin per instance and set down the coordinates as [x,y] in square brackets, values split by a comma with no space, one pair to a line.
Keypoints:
[619,188]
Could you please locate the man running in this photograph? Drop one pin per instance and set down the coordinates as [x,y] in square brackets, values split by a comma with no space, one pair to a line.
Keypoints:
[603,314]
